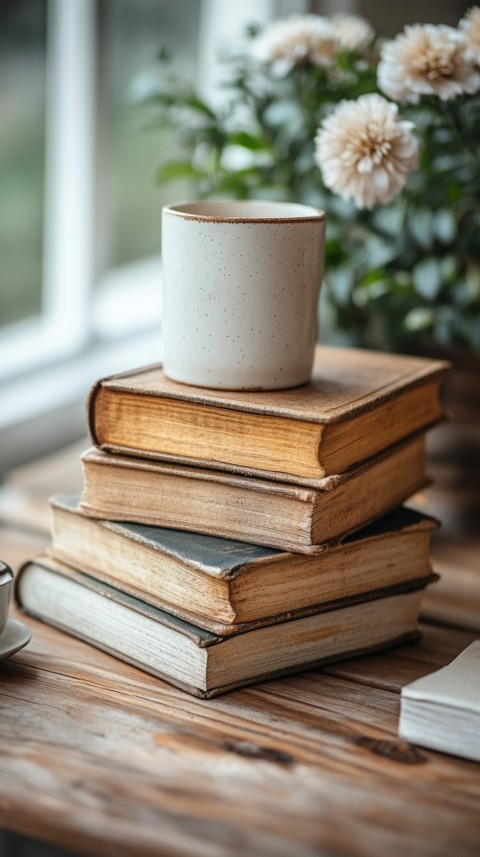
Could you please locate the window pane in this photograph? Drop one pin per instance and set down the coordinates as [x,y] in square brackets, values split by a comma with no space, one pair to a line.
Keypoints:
[22,108]
[132,33]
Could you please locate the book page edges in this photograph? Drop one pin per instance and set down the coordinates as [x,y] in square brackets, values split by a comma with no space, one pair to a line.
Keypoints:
[298,492]
[319,482]
[404,639]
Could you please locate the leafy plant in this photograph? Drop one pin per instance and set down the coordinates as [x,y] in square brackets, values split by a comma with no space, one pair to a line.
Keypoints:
[399,275]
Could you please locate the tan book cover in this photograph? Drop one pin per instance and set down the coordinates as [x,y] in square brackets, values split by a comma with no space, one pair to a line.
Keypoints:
[275,514]
[357,404]
[225,585]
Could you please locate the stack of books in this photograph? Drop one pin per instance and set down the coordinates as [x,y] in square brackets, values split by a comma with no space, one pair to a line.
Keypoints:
[227,537]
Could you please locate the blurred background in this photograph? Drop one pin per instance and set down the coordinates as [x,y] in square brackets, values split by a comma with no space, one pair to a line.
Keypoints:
[80,269]
[80,208]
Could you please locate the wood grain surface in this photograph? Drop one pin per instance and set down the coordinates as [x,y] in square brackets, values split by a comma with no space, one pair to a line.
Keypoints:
[103,759]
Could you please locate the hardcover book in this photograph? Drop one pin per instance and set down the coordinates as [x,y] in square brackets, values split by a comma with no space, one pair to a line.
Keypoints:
[226,585]
[197,660]
[280,515]
[442,710]
[357,404]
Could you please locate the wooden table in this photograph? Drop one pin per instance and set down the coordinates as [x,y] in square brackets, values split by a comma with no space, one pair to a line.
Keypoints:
[105,760]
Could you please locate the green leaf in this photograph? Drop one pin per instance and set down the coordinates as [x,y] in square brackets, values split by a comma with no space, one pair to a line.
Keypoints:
[340,282]
[420,226]
[199,106]
[419,318]
[371,292]
[444,225]
[379,251]
[247,140]
[389,219]
[449,269]
[176,170]
[427,278]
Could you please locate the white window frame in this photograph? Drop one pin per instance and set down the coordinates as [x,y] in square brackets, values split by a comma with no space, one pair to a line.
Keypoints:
[85,324]
[60,329]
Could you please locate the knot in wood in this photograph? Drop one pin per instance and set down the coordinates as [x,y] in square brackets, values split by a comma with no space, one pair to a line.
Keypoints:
[256,751]
[397,751]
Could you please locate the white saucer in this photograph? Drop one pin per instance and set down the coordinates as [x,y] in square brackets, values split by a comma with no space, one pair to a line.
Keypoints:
[15,636]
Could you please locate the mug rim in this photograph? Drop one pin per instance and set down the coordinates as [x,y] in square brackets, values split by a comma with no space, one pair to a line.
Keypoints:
[185,210]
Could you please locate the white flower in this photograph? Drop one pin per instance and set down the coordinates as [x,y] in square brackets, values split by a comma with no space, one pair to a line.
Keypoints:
[352,31]
[427,59]
[470,27]
[365,152]
[297,39]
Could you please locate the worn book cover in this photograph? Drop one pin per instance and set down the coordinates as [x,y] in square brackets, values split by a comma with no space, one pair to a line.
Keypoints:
[276,514]
[226,585]
[197,660]
[357,404]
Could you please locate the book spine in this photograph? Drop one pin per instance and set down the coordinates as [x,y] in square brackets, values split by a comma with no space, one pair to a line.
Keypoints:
[90,411]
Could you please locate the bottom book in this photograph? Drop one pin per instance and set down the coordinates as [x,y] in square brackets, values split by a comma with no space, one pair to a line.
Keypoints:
[199,661]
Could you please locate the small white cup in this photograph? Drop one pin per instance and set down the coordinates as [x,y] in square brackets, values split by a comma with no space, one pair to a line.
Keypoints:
[241,282]
[6,583]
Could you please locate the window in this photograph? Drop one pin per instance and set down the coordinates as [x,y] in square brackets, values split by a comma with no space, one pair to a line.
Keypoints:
[99,210]
[80,216]
[131,34]
[22,138]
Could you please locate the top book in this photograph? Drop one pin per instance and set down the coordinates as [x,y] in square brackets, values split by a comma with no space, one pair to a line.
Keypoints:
[357,404]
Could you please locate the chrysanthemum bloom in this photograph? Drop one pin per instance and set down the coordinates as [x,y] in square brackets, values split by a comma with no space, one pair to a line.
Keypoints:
[365,151]
[298,39]
[470,27]
[427,59]
[352,31]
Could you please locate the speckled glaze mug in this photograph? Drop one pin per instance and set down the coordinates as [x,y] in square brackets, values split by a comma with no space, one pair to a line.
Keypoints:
[241,282]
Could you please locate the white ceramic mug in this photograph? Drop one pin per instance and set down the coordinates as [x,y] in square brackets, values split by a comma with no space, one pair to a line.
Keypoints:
[6,583]
[240,293]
